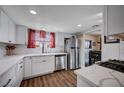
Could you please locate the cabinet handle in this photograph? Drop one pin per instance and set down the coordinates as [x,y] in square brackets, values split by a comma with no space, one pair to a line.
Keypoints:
[7,83]
[21,62]
[44,61]
[40,61]
[30,57]
[21,66]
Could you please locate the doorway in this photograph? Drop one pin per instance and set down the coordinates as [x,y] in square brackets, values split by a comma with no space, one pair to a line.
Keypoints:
[92,47]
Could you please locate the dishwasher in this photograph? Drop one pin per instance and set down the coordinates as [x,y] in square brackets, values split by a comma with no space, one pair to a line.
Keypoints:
[60,61]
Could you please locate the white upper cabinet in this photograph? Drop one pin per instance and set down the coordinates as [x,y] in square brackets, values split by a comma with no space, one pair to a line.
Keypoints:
[59,40]
[11,30]
[21,34]
[114,19]
[3,27]
[7,29]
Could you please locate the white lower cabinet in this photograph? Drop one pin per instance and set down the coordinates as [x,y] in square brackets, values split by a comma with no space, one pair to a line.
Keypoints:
[27,67]
[38,65]
[8,79]
[42,65]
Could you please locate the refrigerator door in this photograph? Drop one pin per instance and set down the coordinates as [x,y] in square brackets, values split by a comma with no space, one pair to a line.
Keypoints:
[72,42]
[77,62]
[87,57]
[72,47]
[72,58]
[67,46]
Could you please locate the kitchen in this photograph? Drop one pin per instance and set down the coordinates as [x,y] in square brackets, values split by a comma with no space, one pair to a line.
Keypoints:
[40,48]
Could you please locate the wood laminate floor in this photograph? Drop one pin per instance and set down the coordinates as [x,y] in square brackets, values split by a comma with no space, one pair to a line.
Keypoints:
[56,79]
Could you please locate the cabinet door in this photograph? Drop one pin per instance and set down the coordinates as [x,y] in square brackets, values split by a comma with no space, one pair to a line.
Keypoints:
[3,27]
[21,34]
[43,65]
[110,51]
[11,33]
[115,20]
[27,67]
[20,70]
[60,40]
[122,51]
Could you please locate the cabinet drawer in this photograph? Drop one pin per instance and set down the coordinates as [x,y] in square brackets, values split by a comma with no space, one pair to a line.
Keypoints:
[42,58]
[8,78]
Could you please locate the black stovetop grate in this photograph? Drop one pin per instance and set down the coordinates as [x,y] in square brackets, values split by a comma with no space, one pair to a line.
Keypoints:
[118,66]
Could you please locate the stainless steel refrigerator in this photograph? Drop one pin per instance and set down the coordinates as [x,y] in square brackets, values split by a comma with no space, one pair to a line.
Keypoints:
[72,47]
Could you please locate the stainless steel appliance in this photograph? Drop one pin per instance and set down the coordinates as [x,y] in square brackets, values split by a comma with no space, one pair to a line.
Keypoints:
[60,62]
[72,47]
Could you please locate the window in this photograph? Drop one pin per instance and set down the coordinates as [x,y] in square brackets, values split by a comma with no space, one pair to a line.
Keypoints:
[41,39]
[88,44]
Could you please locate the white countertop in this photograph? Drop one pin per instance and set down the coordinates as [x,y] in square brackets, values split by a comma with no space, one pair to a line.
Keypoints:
[8,61]
[101,76]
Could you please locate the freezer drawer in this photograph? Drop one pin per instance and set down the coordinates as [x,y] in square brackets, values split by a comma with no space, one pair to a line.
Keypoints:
[60,62]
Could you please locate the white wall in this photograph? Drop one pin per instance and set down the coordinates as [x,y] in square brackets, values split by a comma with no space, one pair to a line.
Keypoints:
[2,50]
[22,49]
[67,35]
[95,39]
[82,60]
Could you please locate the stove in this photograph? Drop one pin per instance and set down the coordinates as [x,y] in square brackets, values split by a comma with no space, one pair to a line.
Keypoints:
[113,64]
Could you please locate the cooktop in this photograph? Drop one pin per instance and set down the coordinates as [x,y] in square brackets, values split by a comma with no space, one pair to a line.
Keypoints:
[113,64]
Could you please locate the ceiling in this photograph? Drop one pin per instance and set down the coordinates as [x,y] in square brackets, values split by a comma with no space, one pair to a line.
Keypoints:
[58,18]
[95,33]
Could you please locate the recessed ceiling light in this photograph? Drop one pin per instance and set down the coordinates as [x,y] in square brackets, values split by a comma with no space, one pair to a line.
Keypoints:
[43,28]
[79,25]
[100,14]
[33,12]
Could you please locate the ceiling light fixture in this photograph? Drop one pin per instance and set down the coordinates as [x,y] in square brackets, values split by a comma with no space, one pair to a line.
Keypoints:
[33,12]
[79,25]
[100,14]
[43,29]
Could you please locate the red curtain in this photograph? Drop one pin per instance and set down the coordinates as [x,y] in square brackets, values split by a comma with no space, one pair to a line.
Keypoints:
[32,41]
[52,40]
[31,38]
